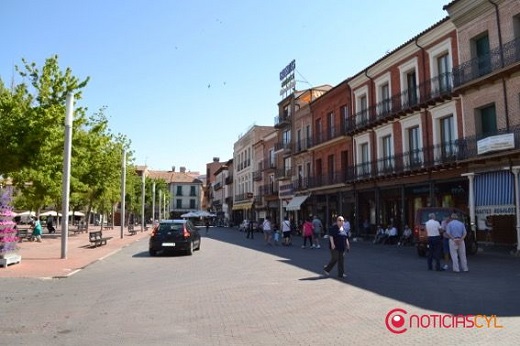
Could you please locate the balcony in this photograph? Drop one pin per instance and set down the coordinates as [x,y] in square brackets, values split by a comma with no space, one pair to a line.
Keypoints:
[328,135]
[217,186]
[259,201]
[229,180]
[269,190]
[283,146]
[282,121]
[285,173]
[302,145]
[268,165]
[257,176]
[243,196]
[496,61]
[430,92]
[300,184]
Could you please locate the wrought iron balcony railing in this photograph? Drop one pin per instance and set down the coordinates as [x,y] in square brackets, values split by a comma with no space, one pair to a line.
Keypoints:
[498,58]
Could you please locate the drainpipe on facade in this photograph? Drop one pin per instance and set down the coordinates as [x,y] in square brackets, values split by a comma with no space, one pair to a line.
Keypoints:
[424,74]
[504,86]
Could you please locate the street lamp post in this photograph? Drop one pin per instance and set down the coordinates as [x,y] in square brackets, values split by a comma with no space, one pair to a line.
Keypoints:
[67,149]
[123,191]
[143,223]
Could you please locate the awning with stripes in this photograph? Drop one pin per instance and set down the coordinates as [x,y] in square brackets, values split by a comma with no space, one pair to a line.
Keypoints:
[496,191]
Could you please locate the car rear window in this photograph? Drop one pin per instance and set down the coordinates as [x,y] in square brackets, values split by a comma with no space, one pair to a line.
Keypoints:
[169,227]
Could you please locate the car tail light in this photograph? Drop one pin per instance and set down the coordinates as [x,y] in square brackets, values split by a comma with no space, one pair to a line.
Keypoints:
[416,231]
[186,234]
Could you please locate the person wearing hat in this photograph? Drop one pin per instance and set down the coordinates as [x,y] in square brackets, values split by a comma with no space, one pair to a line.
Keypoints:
[36,230]
[456,232]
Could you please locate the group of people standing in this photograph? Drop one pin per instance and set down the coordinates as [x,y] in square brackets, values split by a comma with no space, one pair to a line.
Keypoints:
[447,237]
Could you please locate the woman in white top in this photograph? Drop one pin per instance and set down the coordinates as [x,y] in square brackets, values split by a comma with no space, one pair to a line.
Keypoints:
[268,230]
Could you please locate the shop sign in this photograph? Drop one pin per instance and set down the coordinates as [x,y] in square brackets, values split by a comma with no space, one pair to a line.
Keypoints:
[496,143]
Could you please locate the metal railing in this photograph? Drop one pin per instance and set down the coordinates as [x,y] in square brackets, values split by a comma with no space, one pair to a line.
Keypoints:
[498,58]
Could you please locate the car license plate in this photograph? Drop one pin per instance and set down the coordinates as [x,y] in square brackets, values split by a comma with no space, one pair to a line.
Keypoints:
[168,244]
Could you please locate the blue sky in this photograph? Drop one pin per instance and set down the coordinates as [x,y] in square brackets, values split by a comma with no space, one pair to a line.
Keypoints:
[184,79]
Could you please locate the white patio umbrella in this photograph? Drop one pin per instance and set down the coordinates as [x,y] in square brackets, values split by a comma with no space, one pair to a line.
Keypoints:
[50,213]
[76,213]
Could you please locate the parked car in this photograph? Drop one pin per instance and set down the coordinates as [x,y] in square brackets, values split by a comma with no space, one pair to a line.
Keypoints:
[419,230]
[174,235]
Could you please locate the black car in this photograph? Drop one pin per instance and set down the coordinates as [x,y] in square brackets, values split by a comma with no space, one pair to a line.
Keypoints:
[173,236]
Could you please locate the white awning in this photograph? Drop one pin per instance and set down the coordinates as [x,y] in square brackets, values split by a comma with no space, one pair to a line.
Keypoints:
[296,202]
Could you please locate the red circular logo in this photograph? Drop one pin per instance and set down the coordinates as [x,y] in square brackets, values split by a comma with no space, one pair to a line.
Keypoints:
[395,321]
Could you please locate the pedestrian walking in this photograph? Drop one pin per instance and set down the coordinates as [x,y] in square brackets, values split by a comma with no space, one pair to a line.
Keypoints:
[318,229]
[36,231]
[433,228]
[250,230]
[307,231]
[268,230]
[207,226]
[286,232]
[456,233]
[338,242]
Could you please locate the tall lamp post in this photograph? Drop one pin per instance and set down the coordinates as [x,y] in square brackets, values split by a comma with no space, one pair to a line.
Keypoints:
[67,149]
[153,201]
[143,223]
[123,191]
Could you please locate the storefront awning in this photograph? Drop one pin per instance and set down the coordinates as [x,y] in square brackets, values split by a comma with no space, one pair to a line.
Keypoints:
[296,202]
[242,206]
[495,189]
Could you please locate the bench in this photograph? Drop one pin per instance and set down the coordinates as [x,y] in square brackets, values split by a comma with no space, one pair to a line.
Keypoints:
[132,230]
[22,234]
[96,238]
[108,227]
[80,229]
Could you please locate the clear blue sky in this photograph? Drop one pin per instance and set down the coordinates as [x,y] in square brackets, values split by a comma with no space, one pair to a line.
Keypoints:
[184,79]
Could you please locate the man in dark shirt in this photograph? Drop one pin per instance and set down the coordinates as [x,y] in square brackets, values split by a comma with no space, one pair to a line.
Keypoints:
[338,238]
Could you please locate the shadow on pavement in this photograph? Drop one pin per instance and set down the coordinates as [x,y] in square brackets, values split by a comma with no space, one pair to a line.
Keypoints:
[490,288]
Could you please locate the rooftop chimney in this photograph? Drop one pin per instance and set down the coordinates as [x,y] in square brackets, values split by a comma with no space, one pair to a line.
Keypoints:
[183,169]
[173,168]
[216,159]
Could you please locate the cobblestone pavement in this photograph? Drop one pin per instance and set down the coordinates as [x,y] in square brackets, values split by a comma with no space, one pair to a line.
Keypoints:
[238,291]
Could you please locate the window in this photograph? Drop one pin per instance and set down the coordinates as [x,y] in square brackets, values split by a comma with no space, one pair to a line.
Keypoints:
[271,158]
[363,105]
[444,70]
[344,165]
[192,204]
[192,191]
[330,121]
[308,169]
[308,136]
[411,92]
[179,190]
[300,176]
[413,146]
[365,157]
[487,121]
[286,138]
[299,146]
[384,105]
[387,152]
[481,52]
[447,136]
[344,117]
[286,111]
[178,203]
[330,169]
[317,131]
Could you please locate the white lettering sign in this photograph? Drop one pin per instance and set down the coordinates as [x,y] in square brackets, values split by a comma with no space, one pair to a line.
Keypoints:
[496,143]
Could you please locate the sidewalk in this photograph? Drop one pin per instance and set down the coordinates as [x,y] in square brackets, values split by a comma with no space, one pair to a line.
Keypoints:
[43,260]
